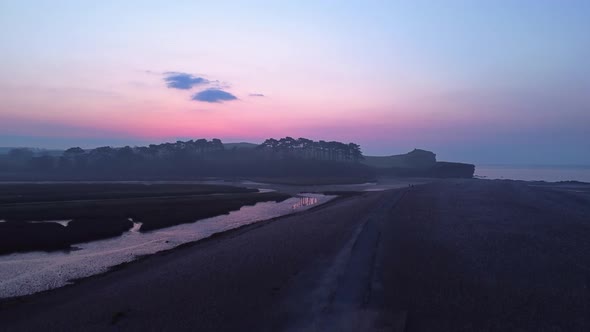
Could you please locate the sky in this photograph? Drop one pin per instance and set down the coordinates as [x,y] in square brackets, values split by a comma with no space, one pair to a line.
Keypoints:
[474,81]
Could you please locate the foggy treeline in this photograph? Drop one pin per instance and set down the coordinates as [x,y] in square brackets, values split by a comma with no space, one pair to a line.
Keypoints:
[194,158]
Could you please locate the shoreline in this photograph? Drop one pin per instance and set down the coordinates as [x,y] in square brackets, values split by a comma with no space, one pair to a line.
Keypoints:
[254,182]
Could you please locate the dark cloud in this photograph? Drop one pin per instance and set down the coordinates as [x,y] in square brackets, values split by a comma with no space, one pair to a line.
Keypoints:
[256,95]
[213,96]
[183,81]
[215,93]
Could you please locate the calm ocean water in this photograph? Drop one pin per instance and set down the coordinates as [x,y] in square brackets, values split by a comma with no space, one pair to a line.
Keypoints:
[534,173]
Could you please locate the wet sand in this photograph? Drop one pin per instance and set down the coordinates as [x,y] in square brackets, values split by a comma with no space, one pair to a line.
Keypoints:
[452,255]
[487,255]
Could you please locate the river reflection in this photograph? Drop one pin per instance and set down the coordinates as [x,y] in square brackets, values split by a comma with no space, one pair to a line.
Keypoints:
[31,272]
[61,222]
[305,201]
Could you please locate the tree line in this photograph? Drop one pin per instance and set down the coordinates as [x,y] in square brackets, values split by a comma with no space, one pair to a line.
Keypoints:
[201,157]
[308,149]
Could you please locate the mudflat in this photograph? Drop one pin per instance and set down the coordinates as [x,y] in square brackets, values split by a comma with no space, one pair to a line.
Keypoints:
[104,210]
[473,255]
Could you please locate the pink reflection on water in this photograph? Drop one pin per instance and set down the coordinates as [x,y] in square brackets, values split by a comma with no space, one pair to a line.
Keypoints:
[305,201]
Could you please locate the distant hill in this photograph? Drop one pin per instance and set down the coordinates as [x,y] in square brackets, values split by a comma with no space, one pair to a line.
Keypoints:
[240,145]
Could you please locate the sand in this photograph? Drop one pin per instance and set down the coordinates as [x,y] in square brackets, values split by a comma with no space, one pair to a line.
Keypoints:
[472,255]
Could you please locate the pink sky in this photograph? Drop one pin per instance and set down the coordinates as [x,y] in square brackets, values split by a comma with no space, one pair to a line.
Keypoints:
[454,78]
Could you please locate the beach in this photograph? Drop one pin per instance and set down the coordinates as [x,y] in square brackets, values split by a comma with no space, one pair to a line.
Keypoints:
[450,255]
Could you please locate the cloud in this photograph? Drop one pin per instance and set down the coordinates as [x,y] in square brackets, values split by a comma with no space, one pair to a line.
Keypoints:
[183,81]
[256,95]
[213,96]
[215,92]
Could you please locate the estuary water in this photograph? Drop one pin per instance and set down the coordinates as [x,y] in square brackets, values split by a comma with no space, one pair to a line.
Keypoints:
[32,272]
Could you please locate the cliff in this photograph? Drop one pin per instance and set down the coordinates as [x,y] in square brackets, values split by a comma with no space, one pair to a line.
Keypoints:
[418,163]
[417,158]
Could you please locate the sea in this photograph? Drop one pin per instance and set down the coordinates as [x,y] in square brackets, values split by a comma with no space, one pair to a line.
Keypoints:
[549,173]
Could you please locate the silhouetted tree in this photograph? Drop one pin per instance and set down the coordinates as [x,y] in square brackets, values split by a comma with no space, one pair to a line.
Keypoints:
[307,149]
